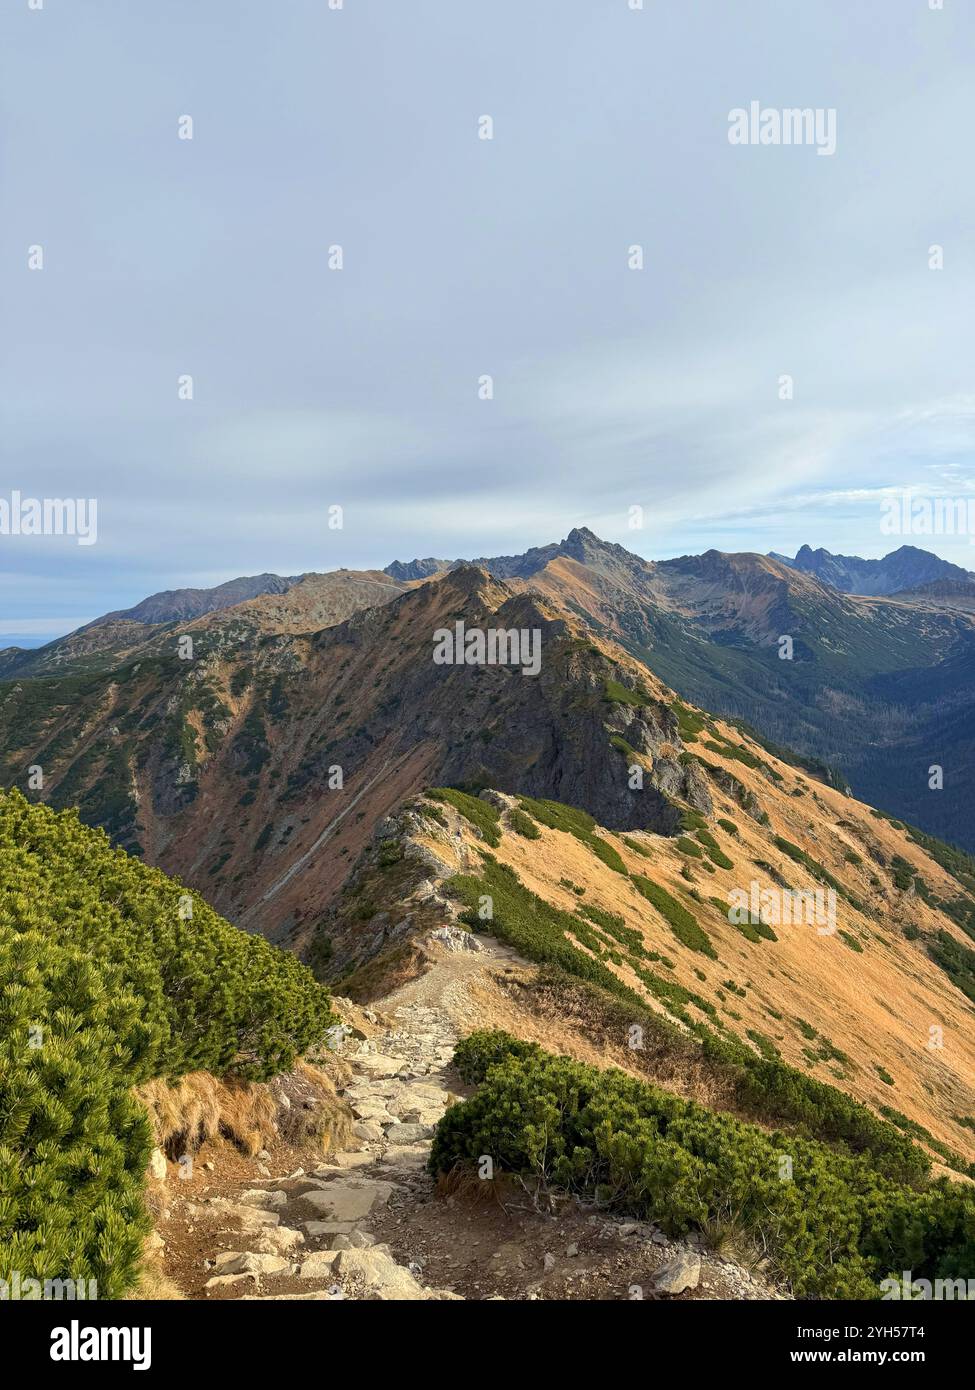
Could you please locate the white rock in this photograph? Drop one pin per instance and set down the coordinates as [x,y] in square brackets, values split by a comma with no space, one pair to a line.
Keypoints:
[250,1218]
[343,1161]
[329,1228]
[456,939]
[369,1131]
[408,1134]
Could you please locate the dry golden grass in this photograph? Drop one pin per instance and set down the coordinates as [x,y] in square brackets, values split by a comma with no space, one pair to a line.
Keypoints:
[877,1006]
[199,1107]
[154,1285]
[317,1117]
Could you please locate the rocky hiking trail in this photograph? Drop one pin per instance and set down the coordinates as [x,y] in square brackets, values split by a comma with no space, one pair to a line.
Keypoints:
[372,1224]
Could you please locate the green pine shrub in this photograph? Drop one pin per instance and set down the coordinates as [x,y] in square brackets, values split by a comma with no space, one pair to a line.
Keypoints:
[536,929]
[523,825]
[680,921]
[835,1229]
[481,814]
[106,981]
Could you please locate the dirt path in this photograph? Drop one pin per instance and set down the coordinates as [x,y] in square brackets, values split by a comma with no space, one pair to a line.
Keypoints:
[371,1224]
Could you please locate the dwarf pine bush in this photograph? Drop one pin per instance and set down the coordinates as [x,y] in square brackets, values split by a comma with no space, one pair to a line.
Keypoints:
[831,1223]
[112,973]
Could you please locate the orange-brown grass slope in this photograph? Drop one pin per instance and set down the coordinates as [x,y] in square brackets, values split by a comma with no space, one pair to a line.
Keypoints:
[881,1007]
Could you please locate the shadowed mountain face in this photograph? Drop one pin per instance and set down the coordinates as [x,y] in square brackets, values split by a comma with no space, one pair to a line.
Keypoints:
[905,568]
[417,569]
[943,593]
[877,687]
[233,768]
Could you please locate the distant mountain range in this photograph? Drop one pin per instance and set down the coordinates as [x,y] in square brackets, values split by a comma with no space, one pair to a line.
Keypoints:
[182,605]
[903,569]
[878,687]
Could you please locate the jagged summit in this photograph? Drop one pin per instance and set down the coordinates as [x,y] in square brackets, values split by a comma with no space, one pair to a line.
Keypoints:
[581,545]
[908,567]
[415,569]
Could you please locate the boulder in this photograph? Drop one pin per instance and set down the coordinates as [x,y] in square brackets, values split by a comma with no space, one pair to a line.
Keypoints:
[456,939]
[251,1262]
[679,1274]
[250,1218]
[266,1200]
[348,1200]
[408,1134]
[319,1265]
[277,1240]
[341,1161]
[329,1229]
[379,1274]
[369,1131]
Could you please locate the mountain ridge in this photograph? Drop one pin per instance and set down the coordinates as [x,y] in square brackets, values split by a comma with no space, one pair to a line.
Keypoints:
[879,687]
[908,567]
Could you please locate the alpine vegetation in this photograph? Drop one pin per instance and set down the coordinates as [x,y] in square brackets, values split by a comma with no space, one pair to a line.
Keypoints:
[106,981]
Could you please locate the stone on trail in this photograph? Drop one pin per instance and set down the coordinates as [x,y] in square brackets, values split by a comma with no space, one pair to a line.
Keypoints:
[348,1199]
[319,1265]
[250,1219]
[268,1201]
[410,1156]
[277,1240]
[378,1063]
[380,1275]
[329,1228]
[338,1162]
[249,1262]
[369,1131]
[408,1134]
[228,1281]
[681,1273]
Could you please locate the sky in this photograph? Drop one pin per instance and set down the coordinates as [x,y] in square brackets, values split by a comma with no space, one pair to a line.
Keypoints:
[644,403]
